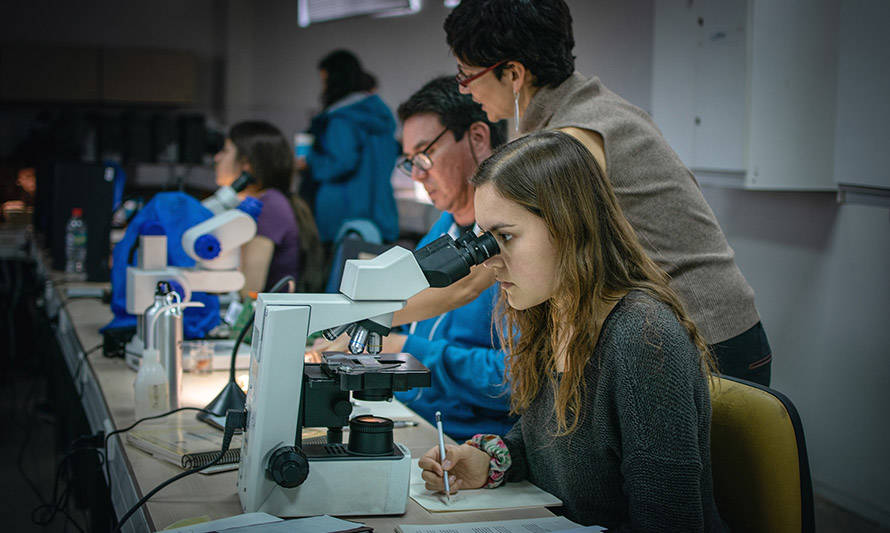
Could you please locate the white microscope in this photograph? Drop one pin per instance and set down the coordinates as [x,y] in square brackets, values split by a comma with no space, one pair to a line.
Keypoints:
[214,245]
[281,475]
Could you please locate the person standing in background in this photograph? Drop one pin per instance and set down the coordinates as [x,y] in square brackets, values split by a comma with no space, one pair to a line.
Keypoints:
[354,153]
[515,58]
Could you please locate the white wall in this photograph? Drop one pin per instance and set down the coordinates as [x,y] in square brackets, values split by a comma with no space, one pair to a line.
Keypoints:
[403,52]
[821,272]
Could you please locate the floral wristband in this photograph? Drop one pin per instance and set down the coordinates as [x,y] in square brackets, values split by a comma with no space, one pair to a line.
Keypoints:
[500,457]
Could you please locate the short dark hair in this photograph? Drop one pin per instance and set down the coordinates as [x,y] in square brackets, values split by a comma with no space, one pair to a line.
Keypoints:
[267,151]
[536,33]
[345,76]
[456,111]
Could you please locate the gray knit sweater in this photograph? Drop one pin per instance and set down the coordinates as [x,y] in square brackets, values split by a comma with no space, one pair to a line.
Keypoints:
[639,459]
[661,200]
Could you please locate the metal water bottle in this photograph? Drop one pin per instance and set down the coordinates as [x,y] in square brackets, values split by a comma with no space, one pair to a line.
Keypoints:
[169,345]
[160,300]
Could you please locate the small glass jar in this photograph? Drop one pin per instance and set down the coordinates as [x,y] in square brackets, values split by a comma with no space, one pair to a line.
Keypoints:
[201,357]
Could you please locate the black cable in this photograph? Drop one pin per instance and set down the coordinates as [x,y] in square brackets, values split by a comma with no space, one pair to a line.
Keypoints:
[241,335]
[80,364]
[59,502]
[128,428]
[153,417]
[234,420]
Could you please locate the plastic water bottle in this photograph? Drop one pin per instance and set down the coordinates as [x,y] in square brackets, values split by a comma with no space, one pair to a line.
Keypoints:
[151,387]
[76,243]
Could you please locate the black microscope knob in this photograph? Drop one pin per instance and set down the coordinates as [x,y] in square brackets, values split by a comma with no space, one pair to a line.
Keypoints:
[288,467]
[342,408]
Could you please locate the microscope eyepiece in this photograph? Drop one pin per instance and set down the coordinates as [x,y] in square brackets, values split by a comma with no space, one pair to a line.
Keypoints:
[445,260]
[242,181]
[480,248]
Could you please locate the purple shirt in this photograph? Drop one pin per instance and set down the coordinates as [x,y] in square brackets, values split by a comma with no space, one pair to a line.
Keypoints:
[278,223]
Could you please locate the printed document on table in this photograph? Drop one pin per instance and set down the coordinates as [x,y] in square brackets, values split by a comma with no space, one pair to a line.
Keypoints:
[507,496]
[550,523]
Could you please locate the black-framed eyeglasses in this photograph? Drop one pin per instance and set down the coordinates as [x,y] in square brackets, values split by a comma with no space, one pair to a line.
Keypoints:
[421,159]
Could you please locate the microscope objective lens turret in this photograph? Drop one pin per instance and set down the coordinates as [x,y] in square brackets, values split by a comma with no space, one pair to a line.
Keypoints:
[359,340]
[375,343]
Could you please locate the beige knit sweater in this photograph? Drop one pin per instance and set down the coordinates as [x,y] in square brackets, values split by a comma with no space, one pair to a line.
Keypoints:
[660,198]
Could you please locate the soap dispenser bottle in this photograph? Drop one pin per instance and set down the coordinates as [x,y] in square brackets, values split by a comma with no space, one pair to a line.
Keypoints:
[151,385]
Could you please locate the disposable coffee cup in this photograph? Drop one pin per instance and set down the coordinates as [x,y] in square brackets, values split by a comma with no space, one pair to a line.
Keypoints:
[303,143]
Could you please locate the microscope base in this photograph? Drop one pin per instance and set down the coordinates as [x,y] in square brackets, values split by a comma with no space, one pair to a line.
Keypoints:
[344,488]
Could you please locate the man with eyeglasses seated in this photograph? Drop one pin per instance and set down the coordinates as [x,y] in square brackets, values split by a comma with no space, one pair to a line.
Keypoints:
[445,135]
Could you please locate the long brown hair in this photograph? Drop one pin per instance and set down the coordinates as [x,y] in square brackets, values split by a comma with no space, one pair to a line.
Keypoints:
[271,159]
[599,260]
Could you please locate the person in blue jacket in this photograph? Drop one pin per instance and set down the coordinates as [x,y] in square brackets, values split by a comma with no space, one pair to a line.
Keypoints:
[445,135]
[352,158]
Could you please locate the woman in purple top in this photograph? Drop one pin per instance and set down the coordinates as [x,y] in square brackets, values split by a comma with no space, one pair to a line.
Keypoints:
[285,229]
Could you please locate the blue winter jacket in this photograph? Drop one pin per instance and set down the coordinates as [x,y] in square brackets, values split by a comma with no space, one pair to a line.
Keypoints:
[465,362]
[352,160]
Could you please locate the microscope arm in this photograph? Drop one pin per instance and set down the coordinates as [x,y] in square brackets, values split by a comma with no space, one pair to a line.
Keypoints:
[215,243]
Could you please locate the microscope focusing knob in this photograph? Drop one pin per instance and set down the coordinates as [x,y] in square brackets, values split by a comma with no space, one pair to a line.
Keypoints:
[288,467]
[207,247]
[342,408]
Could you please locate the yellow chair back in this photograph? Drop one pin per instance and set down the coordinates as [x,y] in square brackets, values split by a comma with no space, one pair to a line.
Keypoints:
[759,459]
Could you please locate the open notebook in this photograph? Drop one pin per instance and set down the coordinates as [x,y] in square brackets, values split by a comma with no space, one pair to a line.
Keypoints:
[183,440]
[507,496]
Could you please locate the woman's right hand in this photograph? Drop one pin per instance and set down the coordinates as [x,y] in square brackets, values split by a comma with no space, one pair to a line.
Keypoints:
[467,468]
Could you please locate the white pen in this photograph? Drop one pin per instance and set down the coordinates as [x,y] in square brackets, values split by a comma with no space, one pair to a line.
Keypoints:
[442,452]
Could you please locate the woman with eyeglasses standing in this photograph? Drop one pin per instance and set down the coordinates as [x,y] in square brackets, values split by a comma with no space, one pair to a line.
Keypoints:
[354,153]
[515,58]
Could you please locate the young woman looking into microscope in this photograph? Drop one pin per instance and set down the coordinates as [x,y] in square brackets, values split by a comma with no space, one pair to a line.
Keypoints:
[608,373]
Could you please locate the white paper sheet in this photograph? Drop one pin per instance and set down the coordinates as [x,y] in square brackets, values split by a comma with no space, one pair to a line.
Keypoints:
[508,496]
[550,523]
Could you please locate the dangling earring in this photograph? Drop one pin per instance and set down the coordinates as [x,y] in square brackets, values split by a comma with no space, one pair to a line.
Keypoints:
[516,111]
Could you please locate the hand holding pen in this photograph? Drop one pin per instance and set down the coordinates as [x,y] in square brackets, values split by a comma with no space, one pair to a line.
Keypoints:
[442,454]
[461,467]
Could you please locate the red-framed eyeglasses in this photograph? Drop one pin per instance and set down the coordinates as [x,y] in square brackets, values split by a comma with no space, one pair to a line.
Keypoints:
[465,80]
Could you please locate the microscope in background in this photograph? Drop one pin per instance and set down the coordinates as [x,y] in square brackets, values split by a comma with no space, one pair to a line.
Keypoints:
[214,245]
[281,475]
